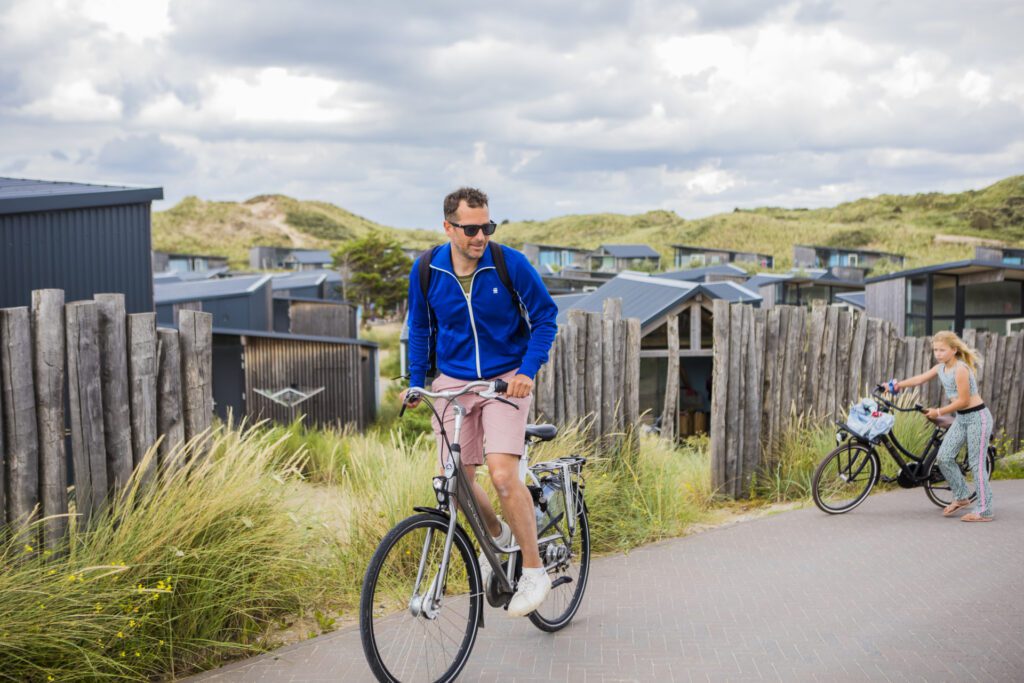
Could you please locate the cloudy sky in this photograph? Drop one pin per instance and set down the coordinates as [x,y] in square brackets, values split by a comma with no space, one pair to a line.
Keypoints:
[552,107]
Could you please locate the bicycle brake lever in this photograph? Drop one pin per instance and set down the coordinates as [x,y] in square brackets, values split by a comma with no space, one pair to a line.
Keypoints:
[506,401]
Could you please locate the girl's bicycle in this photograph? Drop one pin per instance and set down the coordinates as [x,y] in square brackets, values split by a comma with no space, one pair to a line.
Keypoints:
[845,477]
[422,596]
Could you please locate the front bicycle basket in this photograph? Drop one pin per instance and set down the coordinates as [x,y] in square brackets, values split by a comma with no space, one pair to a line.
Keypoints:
[868,422]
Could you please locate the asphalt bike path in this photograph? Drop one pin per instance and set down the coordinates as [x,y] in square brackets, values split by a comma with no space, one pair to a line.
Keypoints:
[891,591]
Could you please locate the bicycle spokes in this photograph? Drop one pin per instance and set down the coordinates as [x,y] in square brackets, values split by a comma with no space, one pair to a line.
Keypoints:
[422,617]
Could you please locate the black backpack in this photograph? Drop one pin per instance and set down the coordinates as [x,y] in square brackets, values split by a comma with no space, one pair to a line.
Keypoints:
[498,254]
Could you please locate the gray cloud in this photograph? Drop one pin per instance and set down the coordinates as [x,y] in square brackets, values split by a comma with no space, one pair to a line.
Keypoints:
[554,107]
[144,154]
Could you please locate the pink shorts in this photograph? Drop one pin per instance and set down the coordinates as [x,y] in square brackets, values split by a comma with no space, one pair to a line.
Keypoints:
[489,426]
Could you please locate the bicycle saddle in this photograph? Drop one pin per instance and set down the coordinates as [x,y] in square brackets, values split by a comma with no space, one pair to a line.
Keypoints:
[541,432]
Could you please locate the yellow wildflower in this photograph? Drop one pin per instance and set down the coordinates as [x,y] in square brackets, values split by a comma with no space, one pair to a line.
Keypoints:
[120,634]
[28,548]
[123,653]
[131,623]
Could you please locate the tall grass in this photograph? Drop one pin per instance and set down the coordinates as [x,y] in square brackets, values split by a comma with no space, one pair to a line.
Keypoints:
[169,578]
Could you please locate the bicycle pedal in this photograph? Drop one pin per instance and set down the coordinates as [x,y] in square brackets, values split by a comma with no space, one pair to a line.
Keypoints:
[560,581]
[887,480]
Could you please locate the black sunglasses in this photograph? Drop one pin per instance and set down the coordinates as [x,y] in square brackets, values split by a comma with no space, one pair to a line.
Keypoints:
[471,230]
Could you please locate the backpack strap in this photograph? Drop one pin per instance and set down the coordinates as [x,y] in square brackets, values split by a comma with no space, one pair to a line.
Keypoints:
[424,275]
[498,254]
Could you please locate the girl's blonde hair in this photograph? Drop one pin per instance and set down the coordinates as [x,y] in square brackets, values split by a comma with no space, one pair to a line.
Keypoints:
[960,349]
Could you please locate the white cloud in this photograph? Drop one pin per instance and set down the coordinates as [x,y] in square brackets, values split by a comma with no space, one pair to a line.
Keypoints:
[269,96]
[976,87]
[606,106]
[76,101]
[138,20]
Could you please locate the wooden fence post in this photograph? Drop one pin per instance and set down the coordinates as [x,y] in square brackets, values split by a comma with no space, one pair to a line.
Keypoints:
[720,394]
[631,395]
[594,360]
[578,321]
[754,382]
[116,408]
[88,447]
[571,390]
[3,454]
[609,390]
[670,410]
[196,337]
[48,343]
[21,443]
[170,423]
[142,372]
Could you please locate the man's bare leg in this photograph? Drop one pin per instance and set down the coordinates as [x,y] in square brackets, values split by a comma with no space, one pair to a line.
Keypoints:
[483,502]
[516,504]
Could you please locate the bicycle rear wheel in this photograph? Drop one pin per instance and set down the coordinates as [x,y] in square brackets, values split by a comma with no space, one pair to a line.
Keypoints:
[571,558]
[404,640]
[845,478]
[938,489]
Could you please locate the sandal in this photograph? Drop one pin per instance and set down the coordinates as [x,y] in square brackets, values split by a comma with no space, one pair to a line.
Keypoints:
[953,507]
[975,517]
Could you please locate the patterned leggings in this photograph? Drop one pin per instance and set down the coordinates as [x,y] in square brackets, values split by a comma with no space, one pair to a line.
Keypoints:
[976,429]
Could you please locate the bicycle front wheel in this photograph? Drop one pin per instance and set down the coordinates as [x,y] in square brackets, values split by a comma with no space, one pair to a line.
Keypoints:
[568,559]
[406,635]
[845,478]
[938,489]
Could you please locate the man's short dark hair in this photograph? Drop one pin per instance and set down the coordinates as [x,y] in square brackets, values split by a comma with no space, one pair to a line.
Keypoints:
[473,197]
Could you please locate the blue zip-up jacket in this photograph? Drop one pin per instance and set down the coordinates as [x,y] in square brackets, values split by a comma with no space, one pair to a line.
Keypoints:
[480,335]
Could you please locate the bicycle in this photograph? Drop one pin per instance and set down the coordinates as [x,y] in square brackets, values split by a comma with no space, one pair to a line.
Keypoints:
[422,596]
[845,477]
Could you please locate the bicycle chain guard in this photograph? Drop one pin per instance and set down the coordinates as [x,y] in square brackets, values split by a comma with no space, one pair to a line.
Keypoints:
[908,477]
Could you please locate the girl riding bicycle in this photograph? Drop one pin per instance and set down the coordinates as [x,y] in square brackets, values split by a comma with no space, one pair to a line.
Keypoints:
[973,423]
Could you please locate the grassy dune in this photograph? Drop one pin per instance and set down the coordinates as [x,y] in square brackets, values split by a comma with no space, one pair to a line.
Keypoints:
[927,228]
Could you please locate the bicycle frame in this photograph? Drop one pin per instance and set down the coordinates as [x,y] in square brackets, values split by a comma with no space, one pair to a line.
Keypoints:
[457,488]
[895,449]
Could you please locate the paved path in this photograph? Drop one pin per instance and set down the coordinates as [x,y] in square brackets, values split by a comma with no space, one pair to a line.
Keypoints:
[890,592]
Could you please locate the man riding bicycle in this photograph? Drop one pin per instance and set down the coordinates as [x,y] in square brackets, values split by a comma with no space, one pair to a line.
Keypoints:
[483,312]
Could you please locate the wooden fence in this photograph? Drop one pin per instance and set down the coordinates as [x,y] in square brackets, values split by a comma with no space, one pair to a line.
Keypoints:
[593,372]
[771,366]
[126,383]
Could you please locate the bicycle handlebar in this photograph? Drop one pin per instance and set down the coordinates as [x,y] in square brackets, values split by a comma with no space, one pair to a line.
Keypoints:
[881,389]
[494,388]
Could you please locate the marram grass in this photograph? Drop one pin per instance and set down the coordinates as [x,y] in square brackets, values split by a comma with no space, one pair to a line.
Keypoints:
[168,579]
[280,521]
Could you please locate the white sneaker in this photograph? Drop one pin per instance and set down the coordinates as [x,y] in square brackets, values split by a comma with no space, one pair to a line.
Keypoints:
[534,586]
[504,539]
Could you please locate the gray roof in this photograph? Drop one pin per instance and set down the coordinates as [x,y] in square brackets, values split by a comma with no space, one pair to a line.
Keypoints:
[765,279]
[699,274]
[849,250]
[312,257]
[718,250]
[800,276]
[966,266]
[21,195]
[567,301]
[188,275]
[649,298]
[855,299]
[207,289]
[305,278]
[287,336]
[630,251]
[730,291]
